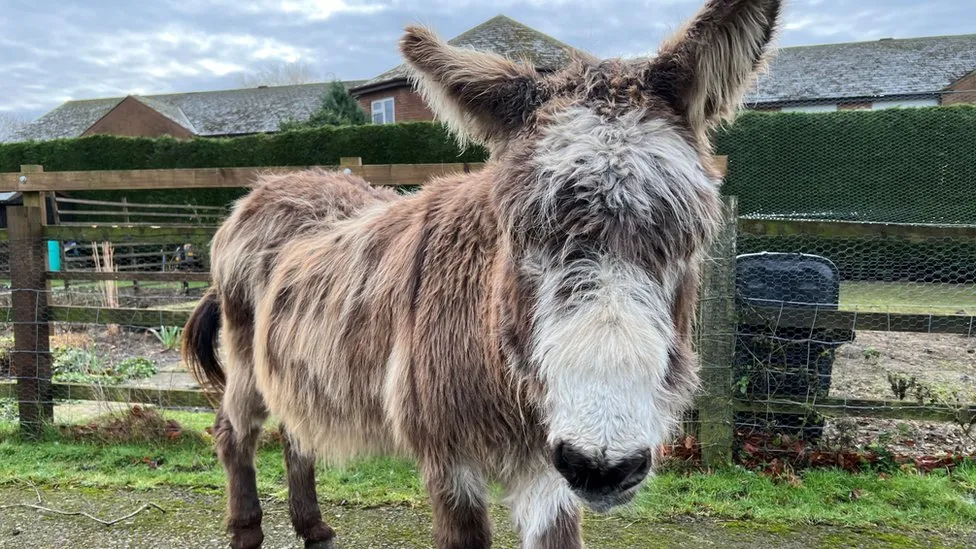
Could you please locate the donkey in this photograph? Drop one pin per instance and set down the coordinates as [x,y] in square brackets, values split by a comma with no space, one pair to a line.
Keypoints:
[245,247]
[529,323]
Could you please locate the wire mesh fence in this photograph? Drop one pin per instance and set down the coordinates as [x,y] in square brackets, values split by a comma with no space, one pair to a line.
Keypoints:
[84,342]
[855,289]
[836,315]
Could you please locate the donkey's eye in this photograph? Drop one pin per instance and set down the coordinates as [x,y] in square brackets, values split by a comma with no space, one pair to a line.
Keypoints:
[580,162]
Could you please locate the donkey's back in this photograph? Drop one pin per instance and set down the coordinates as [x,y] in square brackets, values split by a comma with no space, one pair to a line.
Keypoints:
[245,248]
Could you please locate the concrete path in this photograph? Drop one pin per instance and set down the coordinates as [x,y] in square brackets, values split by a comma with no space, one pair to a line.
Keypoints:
[193,521]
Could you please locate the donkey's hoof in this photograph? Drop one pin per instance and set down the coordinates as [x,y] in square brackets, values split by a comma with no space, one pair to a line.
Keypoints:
[247,538]
[323,544]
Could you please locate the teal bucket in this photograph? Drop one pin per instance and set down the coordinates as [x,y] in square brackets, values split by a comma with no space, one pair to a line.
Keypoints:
[53,255]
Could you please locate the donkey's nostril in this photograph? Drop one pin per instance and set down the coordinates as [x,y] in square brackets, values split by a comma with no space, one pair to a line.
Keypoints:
[638,472]
[595,475]
[573,465]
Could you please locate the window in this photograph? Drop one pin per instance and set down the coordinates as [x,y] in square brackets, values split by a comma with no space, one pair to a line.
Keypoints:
[383,111]
[828,107]
[906,103]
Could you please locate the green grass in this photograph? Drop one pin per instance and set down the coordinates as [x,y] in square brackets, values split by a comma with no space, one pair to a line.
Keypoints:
[903,500]
[908,297]
[189,463]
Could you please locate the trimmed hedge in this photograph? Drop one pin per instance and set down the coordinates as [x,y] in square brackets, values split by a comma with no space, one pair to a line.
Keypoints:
[915,165]
[416,142]
[897,165]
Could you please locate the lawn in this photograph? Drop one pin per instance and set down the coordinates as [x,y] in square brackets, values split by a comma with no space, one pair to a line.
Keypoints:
[908,297]
[903,500]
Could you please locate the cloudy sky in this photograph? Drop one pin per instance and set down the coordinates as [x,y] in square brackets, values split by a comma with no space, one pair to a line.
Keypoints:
[55,50]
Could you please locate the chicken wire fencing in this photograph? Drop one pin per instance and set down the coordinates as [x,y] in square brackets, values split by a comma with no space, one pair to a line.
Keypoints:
[854,287]
[836,313]
[94,329]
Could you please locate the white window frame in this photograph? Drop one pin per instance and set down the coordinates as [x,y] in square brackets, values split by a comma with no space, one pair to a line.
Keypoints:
[905,103]
[380,104]
[822,107]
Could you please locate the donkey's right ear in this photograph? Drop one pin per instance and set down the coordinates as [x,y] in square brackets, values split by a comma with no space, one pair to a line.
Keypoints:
[481,96]
[706,68]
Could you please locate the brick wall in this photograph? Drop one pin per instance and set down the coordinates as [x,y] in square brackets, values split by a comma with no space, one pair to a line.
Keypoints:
[966,85]
[407,105]
[132,118]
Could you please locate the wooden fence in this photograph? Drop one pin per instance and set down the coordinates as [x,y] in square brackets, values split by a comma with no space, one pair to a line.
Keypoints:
[719,317]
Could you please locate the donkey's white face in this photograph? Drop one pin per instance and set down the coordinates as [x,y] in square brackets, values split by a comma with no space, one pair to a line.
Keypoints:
[603,327]
[607,199]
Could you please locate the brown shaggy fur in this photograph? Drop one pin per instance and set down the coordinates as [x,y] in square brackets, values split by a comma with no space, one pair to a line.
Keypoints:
[529,323]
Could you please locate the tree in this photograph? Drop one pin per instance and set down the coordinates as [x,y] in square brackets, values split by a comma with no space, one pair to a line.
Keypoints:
[9,126]
[279,74]
[338,108]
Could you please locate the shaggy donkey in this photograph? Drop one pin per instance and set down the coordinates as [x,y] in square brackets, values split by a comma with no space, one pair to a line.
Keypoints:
[529,323]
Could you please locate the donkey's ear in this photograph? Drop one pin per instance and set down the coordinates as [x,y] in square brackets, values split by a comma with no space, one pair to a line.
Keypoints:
[480,96]
[706,68]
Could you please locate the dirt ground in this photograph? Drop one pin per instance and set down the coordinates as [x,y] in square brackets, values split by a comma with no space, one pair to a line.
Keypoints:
[943,363]
[193,520]
[862,366]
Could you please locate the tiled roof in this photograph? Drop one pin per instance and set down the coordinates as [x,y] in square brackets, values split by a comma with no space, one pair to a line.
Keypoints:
[224,112]
[504,36]
[865,69]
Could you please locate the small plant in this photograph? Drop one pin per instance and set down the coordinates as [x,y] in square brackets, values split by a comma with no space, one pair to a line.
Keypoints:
[69,360]
[901,384]
[136,368]
[743,384]
[871,354]
[84,365]
[8,410]
[6,345]
[169,336]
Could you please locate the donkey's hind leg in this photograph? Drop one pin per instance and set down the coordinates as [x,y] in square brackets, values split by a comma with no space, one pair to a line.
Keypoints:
[458,495]
[235,448]
[303,502]
[238,426]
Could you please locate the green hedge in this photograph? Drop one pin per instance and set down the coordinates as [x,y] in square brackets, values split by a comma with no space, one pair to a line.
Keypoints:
[895,165]
[900,165]
[417,142]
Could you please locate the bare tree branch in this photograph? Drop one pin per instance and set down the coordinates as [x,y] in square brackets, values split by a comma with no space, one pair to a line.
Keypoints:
[9,126]
[103,522]
[279,74]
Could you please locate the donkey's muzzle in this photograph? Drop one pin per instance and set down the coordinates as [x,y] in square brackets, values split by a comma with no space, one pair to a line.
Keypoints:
[600,483]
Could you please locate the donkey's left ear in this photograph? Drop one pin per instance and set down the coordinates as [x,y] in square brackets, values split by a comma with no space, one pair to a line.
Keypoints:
[482,97]
[706,68]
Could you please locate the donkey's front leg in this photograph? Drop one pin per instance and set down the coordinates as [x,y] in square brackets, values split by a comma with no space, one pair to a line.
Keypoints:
[544,510]
[303,503]
[458,498]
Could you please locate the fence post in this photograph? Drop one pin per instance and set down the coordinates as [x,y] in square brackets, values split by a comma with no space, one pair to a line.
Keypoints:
[717,322]
[31,356]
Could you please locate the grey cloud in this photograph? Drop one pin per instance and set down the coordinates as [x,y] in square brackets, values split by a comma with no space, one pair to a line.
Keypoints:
[55,50]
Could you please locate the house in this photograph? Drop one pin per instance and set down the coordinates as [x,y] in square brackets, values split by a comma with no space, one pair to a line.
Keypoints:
[911,72]
[223,113]
[389,97]
[926,71]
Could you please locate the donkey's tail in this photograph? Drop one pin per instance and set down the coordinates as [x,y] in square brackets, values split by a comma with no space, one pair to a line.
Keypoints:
[200,343]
